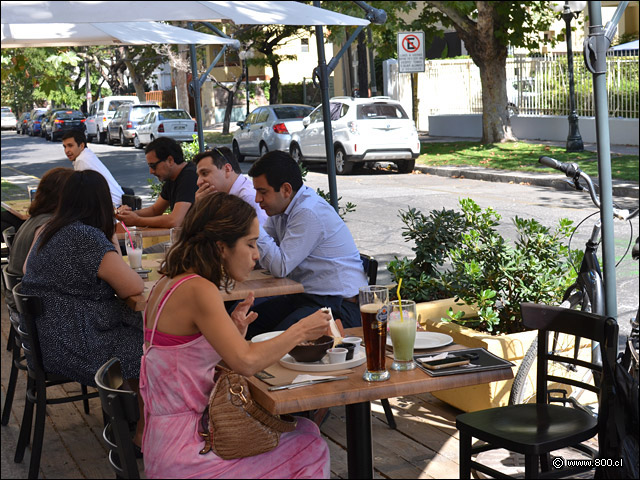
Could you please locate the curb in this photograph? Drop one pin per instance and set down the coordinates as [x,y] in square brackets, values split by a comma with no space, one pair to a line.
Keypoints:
[620,188]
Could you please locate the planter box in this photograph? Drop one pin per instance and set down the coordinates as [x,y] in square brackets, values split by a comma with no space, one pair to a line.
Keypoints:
[511,347]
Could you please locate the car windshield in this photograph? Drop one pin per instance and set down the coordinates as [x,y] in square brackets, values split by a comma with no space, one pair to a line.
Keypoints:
[139,112]
[380,110]
[174,115]
[114,104]
[8,114]
[292,111]
[70,115]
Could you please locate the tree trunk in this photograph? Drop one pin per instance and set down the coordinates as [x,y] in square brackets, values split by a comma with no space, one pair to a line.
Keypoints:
[181,80]
[274,84]
[227,112]
[496,124]
[363,79]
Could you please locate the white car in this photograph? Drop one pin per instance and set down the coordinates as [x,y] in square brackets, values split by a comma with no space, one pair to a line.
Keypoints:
[268,128]
[365,130]
[165,122]
[8,120]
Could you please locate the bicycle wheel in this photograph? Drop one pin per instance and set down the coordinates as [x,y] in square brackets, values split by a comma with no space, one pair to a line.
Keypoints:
[523,390]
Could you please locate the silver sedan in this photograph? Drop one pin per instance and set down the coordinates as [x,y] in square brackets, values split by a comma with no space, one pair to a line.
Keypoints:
[165,122]
[268,128]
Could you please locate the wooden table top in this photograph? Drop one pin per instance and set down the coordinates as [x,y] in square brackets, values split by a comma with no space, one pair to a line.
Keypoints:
[356,390]
[17,207]
[260,282]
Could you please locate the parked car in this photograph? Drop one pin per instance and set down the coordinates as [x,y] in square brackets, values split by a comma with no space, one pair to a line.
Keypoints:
[44,121]
[100,114]
[62,121]
[268,128]
[122,127]
[165,122]
[34,123]
[21,124]
[8,120]
[364,130]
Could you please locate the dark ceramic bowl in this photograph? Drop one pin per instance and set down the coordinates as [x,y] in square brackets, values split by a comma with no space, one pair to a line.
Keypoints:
[314,352]
[350,349]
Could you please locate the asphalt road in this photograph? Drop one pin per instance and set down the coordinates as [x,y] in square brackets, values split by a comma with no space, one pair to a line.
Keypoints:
[378,195]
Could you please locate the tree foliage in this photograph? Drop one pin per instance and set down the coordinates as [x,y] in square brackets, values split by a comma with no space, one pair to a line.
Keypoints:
[487,30]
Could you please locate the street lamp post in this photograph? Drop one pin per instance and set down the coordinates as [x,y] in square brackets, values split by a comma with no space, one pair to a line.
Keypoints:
[571,10]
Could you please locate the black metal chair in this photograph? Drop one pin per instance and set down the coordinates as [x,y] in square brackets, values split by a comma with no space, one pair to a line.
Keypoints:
[536,429]
[120,406]
[370,266]
[7,236]
[18,361]
[30,307]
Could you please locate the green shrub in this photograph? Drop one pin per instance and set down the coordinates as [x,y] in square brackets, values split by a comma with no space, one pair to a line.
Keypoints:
[482,268]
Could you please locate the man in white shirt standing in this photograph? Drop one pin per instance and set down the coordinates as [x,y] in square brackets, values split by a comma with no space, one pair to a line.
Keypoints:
[219,171]
[75,148]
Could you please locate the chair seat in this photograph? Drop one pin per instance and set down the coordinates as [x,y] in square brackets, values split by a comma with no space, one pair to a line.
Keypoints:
[531,429]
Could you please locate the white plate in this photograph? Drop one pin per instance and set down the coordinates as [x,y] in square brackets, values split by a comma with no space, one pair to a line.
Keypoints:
[266,336]
[323,365]
[428,340]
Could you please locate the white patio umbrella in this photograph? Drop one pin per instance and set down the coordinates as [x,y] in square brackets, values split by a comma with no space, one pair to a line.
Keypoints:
[122,33]
[240,12]
[260,12]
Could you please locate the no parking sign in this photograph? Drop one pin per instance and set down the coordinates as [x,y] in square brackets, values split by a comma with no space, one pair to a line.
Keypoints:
[411,52]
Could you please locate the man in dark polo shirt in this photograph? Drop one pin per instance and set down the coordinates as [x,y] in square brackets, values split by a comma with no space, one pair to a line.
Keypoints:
[165,161]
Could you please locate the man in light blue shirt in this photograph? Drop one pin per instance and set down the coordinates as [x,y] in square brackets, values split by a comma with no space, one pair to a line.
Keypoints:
[306,240]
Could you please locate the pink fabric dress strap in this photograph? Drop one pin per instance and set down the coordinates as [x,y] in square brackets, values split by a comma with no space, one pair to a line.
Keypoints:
[166,296]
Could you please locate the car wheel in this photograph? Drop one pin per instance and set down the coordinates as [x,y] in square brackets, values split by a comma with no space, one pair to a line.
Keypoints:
[102,137]
[236,152]
[123,141]
[343,166]
[406,166]
[136,142]
[110,140]
[151,139]
[263,149]
[296,153]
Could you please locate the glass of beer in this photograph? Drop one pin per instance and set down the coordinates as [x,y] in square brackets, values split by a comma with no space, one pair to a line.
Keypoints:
[402,329]
[374,310]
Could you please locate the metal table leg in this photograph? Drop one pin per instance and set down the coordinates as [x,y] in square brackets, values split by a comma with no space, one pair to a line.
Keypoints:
[359,450]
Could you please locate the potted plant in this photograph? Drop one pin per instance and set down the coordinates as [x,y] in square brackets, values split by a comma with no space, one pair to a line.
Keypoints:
[478,279]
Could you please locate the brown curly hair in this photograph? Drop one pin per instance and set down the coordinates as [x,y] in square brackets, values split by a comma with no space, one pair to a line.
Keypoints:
[216,217]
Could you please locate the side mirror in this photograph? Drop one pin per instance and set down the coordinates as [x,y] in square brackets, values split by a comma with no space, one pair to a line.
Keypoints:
[240,124]
[306,121]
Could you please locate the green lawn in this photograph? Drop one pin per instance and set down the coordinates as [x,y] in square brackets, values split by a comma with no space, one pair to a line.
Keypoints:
[217,138]
[11,191]
[521,156]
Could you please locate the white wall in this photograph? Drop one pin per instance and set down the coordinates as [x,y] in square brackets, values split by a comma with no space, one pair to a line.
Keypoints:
[622,131]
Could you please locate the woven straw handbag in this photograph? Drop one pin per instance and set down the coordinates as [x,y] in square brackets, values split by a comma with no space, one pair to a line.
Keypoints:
[232,417]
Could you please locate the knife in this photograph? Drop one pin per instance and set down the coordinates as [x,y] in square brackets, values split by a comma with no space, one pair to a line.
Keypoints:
[304,384]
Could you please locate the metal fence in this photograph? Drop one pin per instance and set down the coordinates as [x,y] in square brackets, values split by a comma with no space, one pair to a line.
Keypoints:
[535,85]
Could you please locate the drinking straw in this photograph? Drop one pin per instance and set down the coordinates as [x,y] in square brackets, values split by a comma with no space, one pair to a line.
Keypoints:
[127,230]
[400,300]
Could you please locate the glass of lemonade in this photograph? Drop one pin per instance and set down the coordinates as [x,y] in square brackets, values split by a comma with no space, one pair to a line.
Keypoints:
[402,329]
[374,310]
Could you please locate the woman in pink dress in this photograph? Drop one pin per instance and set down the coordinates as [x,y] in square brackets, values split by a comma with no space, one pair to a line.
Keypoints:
[188,331]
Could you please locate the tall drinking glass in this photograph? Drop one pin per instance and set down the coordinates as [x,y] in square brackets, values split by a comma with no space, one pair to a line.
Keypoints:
[374,311]
[133,242]
[402,329]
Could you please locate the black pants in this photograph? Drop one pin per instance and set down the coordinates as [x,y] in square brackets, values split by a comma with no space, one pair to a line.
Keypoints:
[279,313]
